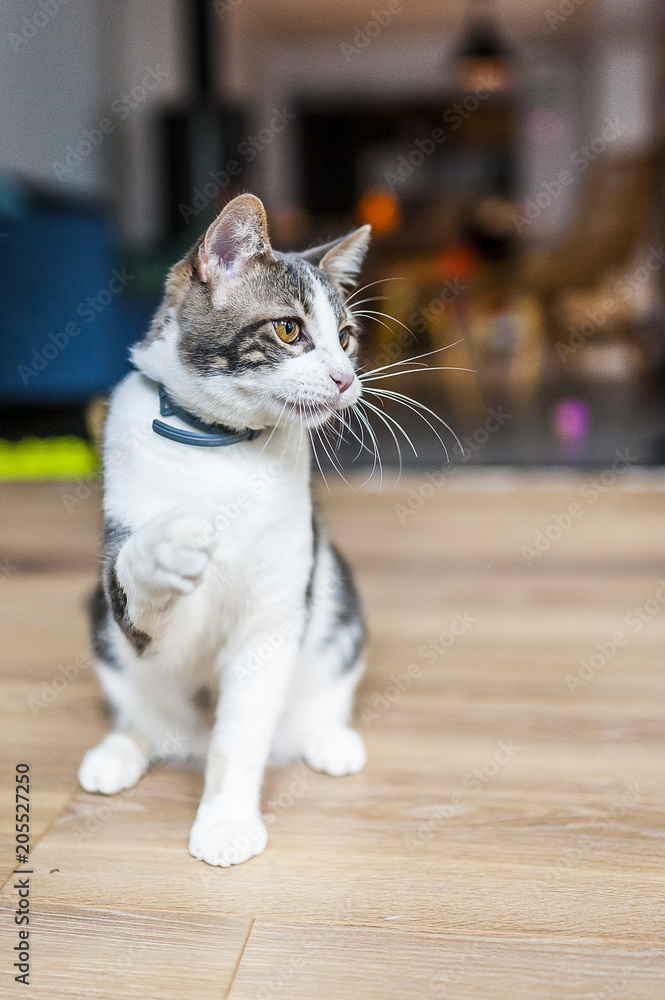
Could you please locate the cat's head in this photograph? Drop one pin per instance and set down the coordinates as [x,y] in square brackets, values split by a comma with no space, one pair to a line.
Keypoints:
[248,336]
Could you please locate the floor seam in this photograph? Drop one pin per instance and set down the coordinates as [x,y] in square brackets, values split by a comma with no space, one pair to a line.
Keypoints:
[44,832]
[239,959]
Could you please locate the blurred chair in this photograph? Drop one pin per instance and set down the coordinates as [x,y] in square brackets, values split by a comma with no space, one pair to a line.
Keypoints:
[611,220]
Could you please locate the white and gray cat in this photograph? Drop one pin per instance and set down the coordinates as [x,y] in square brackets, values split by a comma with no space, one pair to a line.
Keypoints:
[226,625]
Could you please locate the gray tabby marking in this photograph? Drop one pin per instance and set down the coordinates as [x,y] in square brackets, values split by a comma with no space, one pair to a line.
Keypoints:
[233,339]
[115,536]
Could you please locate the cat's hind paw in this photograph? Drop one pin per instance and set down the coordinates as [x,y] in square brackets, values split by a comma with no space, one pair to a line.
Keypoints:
[335,751]
[117,763]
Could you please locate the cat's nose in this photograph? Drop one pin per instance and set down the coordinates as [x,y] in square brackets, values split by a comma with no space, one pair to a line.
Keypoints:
[342,381]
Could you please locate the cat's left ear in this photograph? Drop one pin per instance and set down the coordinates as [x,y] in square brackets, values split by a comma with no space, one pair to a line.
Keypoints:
[342,258]
[237,237]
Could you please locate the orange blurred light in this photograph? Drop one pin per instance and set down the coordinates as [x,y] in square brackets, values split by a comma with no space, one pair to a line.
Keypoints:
[458,261]
[380,208]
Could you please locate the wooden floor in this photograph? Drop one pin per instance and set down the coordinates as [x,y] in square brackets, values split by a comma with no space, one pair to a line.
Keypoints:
[507,839]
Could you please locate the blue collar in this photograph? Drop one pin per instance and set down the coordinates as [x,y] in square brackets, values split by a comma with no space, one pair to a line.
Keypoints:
[204,436]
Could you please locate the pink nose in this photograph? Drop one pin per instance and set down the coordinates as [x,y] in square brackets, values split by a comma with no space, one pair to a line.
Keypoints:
[342,381]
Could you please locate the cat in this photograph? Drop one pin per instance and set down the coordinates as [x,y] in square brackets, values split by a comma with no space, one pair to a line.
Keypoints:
[226,626]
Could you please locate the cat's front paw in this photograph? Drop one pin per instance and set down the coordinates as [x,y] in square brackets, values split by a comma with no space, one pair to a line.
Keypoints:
[117,763]
[337,751]
[224,841]
[179,551]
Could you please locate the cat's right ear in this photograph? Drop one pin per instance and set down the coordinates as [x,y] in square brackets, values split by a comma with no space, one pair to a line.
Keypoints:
[237,237]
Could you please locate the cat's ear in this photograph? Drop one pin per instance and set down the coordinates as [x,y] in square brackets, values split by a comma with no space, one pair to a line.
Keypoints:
[343,258]
[237,237]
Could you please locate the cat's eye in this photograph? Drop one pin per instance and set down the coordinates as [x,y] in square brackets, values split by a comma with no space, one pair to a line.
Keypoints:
[287,330]
[344,337]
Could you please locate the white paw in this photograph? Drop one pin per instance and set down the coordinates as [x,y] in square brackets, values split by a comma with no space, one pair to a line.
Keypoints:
[117,763]
[335,751]
[178,551]
[225,841]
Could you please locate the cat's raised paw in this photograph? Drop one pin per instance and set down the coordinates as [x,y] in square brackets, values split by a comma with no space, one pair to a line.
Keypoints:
[225,841]
[181,551]
[117,763]
[336,751]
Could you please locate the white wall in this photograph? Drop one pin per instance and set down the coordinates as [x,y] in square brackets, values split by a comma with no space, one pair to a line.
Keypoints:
[140,42]
[50,86]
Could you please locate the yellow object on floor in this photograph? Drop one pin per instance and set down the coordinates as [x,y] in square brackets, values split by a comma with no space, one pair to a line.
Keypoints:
[48,458]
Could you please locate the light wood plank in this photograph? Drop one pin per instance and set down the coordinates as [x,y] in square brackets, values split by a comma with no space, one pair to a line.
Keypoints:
[333,962]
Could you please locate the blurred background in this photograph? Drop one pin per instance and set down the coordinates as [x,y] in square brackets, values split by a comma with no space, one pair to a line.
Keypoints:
[509,155]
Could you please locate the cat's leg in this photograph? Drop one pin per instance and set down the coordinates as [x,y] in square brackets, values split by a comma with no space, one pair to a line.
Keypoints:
[315,724]
[146,574]
[229,828]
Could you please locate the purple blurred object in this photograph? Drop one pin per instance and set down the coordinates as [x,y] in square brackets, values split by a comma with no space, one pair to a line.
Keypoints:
[571,418]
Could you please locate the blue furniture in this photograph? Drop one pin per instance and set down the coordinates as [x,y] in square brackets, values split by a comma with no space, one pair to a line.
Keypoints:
[69,312]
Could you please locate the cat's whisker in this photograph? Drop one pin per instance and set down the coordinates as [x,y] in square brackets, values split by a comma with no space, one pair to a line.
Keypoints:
[385,417]
[411,361]
[372,298]
[270,436]
[320,433]
[402,397]
[381,321]
[360,439]
[417,407]
[372,313]
[397,424]
[410,371]
[302,428]
[424,418]
[370,430]
[349,427]
[369,284]
[381,416]
[365,481]
[309,431]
